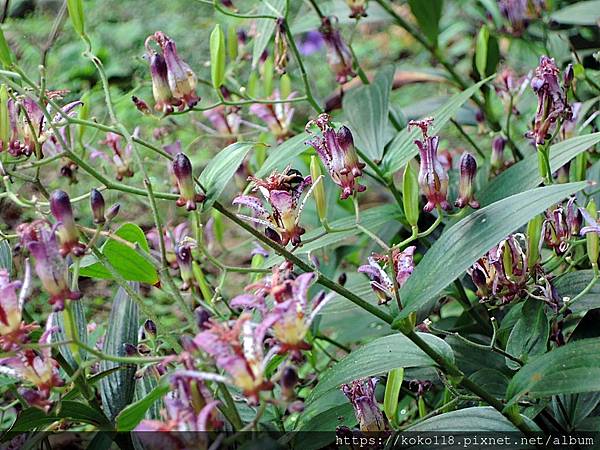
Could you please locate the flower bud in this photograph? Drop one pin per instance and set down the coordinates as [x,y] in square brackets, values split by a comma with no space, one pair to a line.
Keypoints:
[150,328]
[182,168]
[534,241]
[140,104]
[289,379]
[497,158]
[319,188]
[202,317]
[358,8]
[130,349]
[112,212]
[468,169]
[342,279]
[183,252]
[410,195]
[568,76]
[182,80]
[97,204]
[592,239]
[5,129]
[60,206]
[163,99]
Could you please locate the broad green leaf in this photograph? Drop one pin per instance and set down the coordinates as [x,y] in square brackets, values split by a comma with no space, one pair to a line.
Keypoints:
[481,50]
[468,240]
[266,27]
[5,53]
[370,218]
[80,324]
[367,110]
[525,174]
[117,389]
[5,256]
[579,13]
[570,369]
[75,8]
[283,154]
[478,418]
[471,359]
[428,14]
[529,336]
[571,284]
[217,174]
[217,56]
[402,149]
[77,412]
[492,380]
[378,357]
[127,261]
[133,414]
[392,392]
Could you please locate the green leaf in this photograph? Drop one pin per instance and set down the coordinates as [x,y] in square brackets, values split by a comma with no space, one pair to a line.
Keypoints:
[402,149]
[217,174]
[479,418]
[570,369]
[378,357]
[32,418]
[481,50]
[133,414]
[371,218]
[580,13]
[529,336]
[217,56]
[468,240]
[117,389]
[525,174]
[127,262]
[392,392]
[428,14]
[283,154]
[492,380]
[5,53]
[266,27]
[367,110]
[75,8]
[5,256]
[571,284]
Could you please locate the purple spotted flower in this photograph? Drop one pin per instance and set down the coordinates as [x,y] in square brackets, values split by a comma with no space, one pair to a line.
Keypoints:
[282,191]
[381,283]
[163,98]
[277,116]
[561,225]
[121,156]
[13,331]
[361,394]
[337,152]
[172,235]
[339,56]
[519,13]
[552,100]
[433,179]
[60,206]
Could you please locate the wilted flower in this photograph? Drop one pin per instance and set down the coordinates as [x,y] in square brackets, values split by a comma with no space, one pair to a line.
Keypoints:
[36,367]
[570,125]
[337,152]
[361,394]
[277,116]
[13,331]
[282,191]
[121,157]
[552,100]
[60,206]
[503,271]
[381,283]
[358,8]
[561,225]
[468,169]
[180,77]
[50,267]
[182,168]
[433,179]
[339,56]
[238,350]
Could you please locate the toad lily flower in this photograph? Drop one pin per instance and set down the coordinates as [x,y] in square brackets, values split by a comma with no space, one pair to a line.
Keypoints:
[172,236]
[337,152]
[37,368]
[468,169]
[13,331]
[238,350]
[121,156]
[433,179]
[183,251]
[182,168]
[520,12]
[282,191]
[163,99]
[381,283]
[361,394]
[552,100]
[338,53]
[277,116]
[358,8]
[561,225]
[60,206]
[50,267]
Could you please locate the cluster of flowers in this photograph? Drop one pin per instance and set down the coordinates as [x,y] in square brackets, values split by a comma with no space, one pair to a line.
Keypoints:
[519,13]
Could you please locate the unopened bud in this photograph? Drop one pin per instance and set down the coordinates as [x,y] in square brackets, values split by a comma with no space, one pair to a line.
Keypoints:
[568,76]
[534,240]
[150,328]
[4,119]
[130,349]
[319,188]
[182,169]
[497,159]
[140,104]
[592,238]
[112,212]
[410,195]
[342,279]
[289,379]
[202,317]
[97,204]
[468,169]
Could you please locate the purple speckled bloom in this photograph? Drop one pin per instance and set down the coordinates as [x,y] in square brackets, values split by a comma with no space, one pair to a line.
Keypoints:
[277,116]
[339,56]
[336,150]
[282,191]
[361,394]
[172,236]
[60,206]
[121,156]
[433,179]
[163,98]
[593,226]
[381,283]
[13,331]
